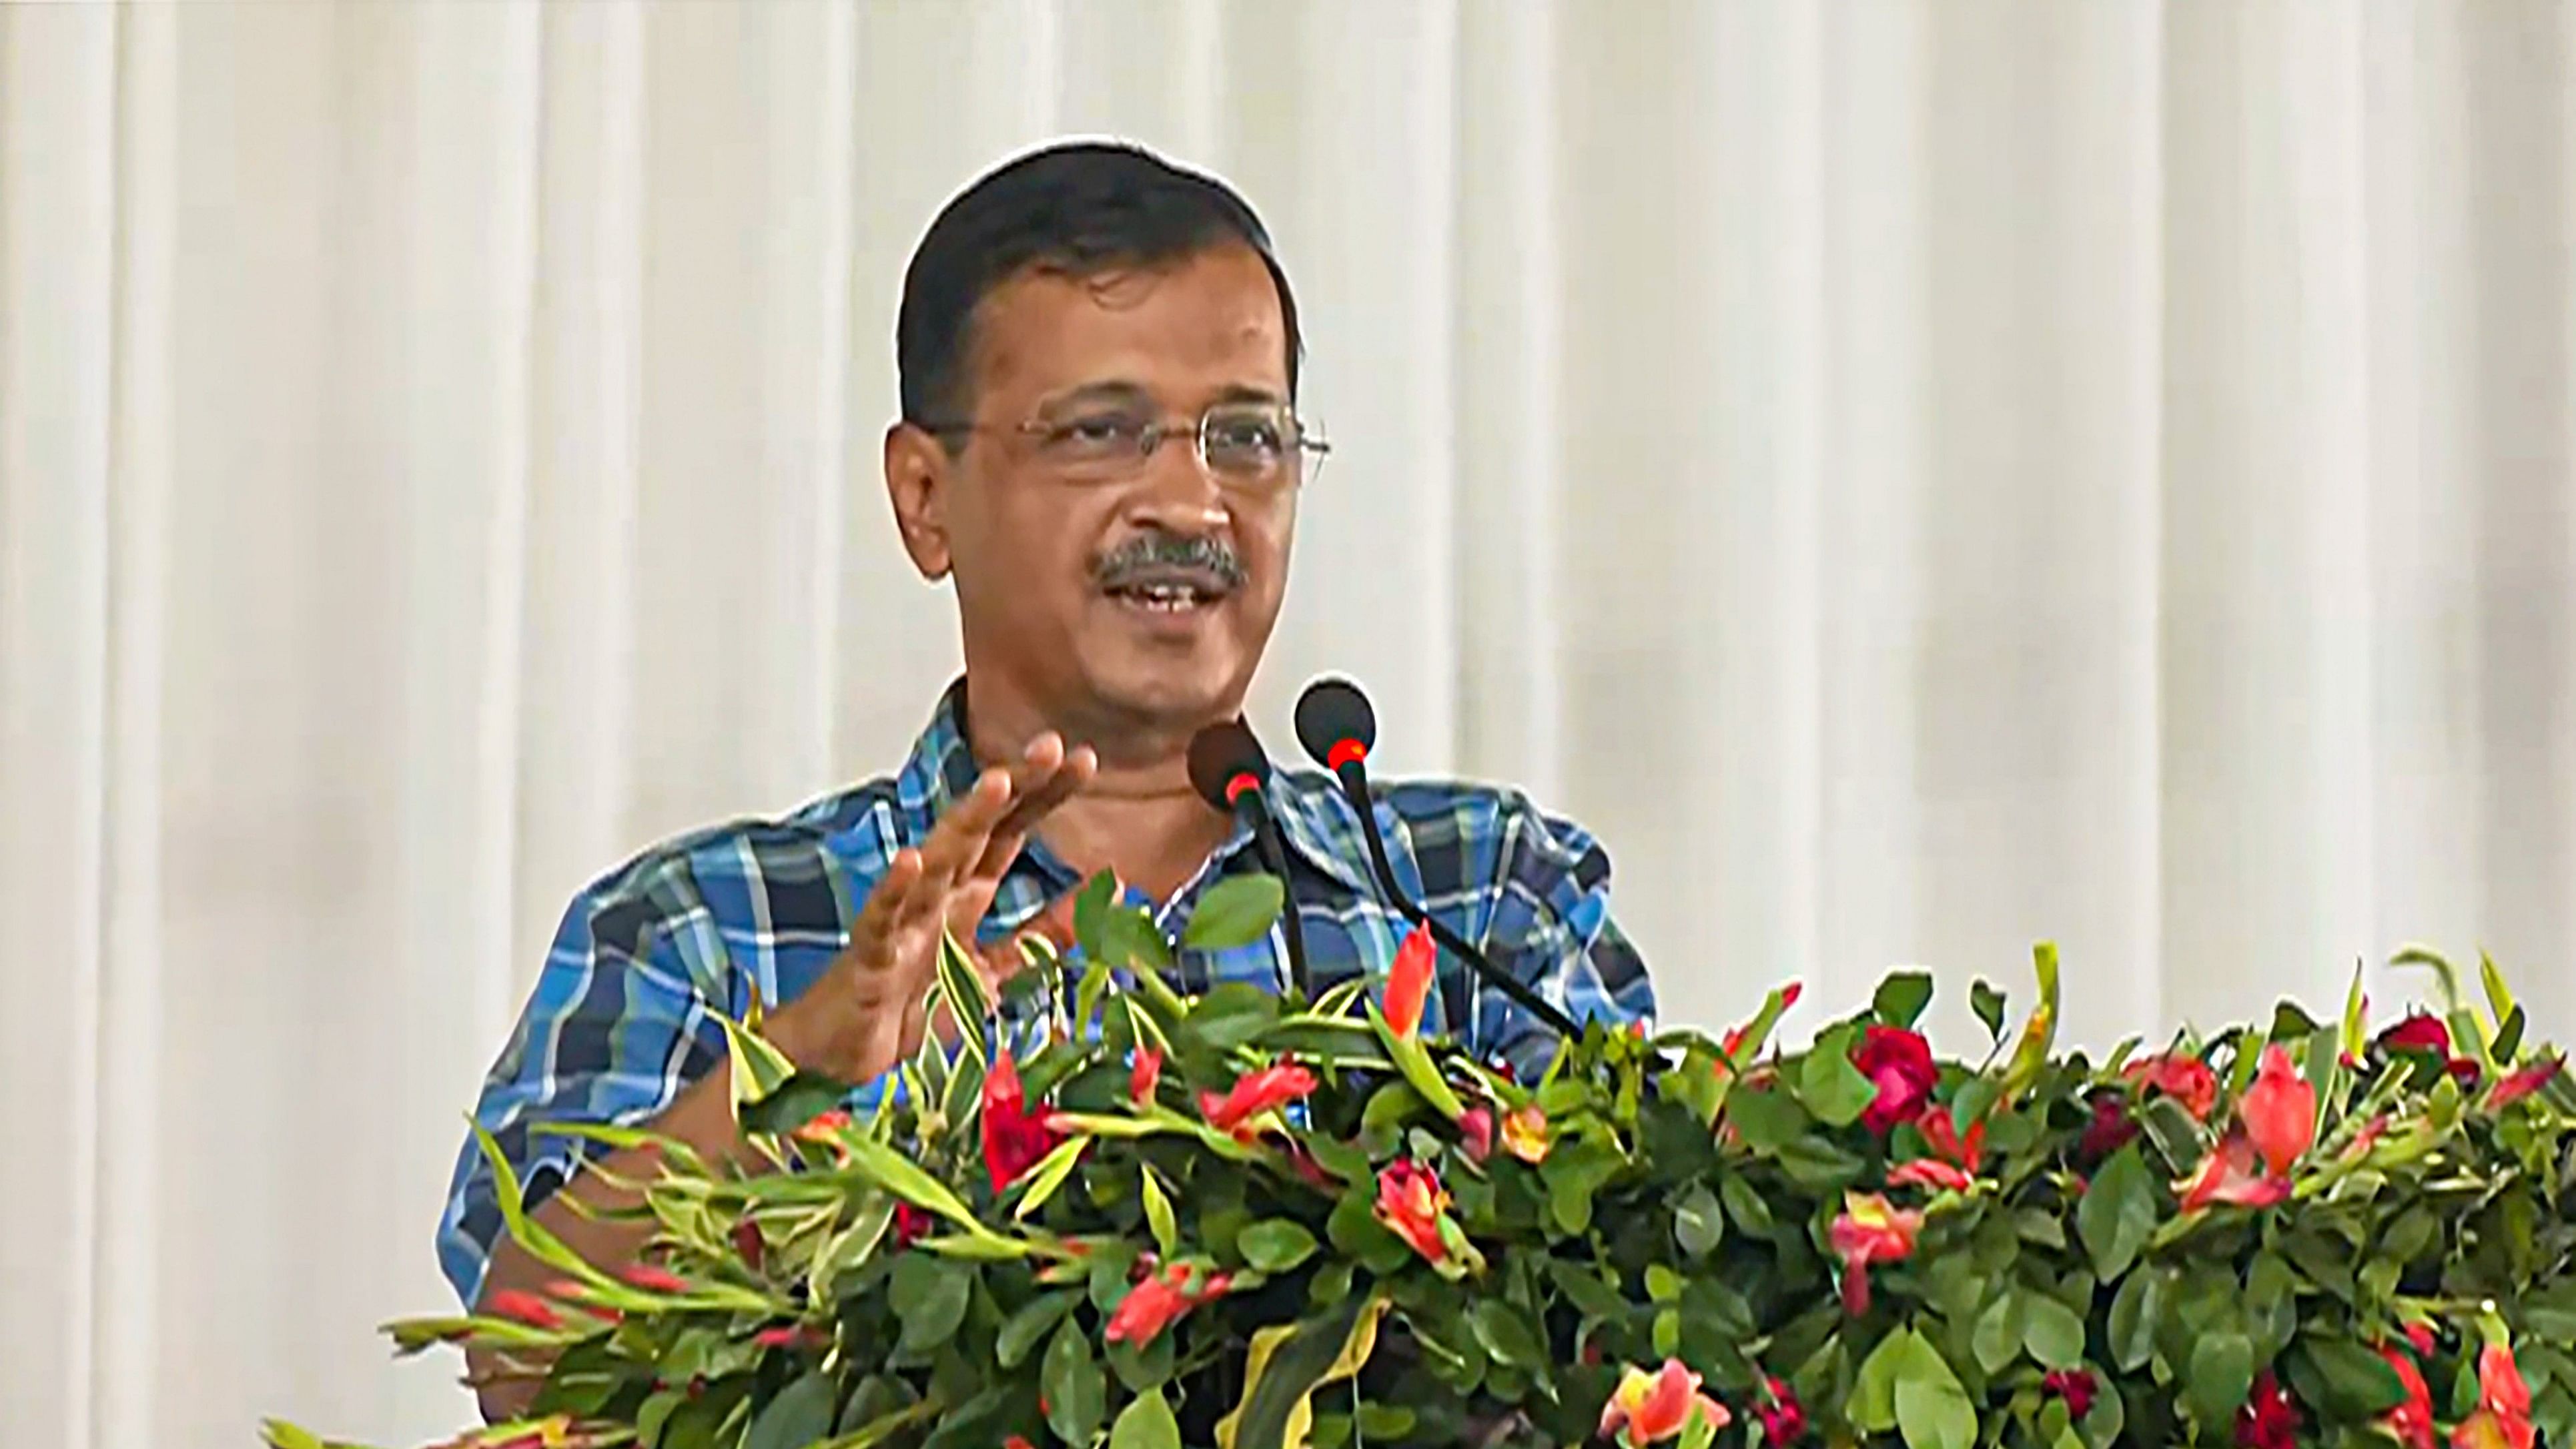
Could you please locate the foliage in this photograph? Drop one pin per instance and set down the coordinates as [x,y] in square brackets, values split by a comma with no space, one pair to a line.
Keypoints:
[1252,1222]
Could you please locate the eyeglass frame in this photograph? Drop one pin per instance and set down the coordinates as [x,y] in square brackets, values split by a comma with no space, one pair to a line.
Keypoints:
[1307,445]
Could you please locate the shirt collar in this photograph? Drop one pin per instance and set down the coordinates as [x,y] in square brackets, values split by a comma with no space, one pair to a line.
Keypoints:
[1315,821]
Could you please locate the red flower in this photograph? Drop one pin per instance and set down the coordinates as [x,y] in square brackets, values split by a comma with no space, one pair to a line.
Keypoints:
[2110,1129]
[2279,1112]
[1927,1172]
[1784,1419]
[2422,1032]
[789,1335]
[1942,1136]
[748,1242]
[2228,1175]
[1476,1132]
[1410,1201]
[1158,1301]
[1408,981]
[1646,1408]
[1899,1063]
[1255,1093]
[1014,1441]
[1142,1078]
[1015,1138]
[2503,1416]
[2523,1083]
[911,1225]
[823,1126]
[1868,1231]
[2270,1418]
[652,1279]
[523,1306]
[2420,1337]
[2410,1423]
[2076,1386]
[567,1291]
[2186,1079]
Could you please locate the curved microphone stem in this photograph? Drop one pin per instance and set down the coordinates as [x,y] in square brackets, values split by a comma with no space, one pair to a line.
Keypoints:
[1354,778]
[1265,837]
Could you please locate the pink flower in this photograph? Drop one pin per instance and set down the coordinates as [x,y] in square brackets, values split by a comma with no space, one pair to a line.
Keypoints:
[2229,1175]
[2523,1083]
[2110,1129]
[1476,1132]
[1255,1093]
[523,1307]
[1899,1063]
[2279,1112]
[1648,1408]
[1869,1230]
[911,1225]
[1015,1138]
[1410,1201]
[1784,1419]
[1159,1300]
[2270,1418]
[1408,981]
[2410,1423]
[2502,1419]
[2076,1386]
[2186,1079]
[1926,1172]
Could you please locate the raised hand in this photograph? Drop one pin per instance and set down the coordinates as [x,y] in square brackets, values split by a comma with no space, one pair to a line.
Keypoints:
[867,1013]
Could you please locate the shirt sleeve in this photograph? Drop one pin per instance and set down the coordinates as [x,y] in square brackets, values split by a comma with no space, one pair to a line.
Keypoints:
[1551,926]
[616,1027]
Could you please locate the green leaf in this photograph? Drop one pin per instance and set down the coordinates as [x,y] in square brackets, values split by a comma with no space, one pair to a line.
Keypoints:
[2118,1213]
[1872,1404]
[1300,1362]
[1146,1423]
[1573,1173]
[1663,1285]
[1998,1339]
[1698,1223]
[800,1415]
[2499,998]
[1583,1288]
[929,1293]
[1932,1410]
[1236,911]
[1768,1119]
[1022,1330]
[1091,914]
[2052,1332]
[1275,1245]
[1830,1086]
[1158,1215]
[1901,998]
[2137,1310]
[283,1435]
[1134,943]
[1752,1215]
[1505,1334]
[1988,1004]
[1413,1059]
[2508,1042]
[1077,1392]
[2357,1383]
[2220,1376]
[1049,1175]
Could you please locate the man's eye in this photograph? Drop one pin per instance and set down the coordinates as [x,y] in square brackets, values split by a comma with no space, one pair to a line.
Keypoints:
[1100,433]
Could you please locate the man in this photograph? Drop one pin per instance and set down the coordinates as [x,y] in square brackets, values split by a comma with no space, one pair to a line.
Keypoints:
[1099,446]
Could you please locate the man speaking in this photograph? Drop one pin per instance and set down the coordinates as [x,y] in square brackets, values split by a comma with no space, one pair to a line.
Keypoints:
[1100,447]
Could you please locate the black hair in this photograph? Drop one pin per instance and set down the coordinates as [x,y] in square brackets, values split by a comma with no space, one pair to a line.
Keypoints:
[1080,208]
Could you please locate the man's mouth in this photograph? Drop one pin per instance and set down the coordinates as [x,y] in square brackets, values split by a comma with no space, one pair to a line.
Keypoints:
[1170,591]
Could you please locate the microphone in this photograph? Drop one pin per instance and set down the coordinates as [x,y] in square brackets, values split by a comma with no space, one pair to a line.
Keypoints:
[1231,771]
[1337,727]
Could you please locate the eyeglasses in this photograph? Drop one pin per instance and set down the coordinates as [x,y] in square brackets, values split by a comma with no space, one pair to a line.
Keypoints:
[1253,444]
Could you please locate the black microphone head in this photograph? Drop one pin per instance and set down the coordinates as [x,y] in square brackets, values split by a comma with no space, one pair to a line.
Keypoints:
[1221,756]
[1335,723]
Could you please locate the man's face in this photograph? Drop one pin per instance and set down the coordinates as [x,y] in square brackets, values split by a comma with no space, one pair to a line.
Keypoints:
[1098,591]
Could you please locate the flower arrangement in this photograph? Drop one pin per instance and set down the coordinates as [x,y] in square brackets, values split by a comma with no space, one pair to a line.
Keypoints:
[1255,1222]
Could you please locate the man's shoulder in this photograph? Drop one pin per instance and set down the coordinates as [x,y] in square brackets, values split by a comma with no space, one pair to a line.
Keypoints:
[1439,812]
[714,866]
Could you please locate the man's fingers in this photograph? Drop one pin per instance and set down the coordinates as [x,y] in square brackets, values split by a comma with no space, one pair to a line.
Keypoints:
[874,928]
[957,840]
[1040,798]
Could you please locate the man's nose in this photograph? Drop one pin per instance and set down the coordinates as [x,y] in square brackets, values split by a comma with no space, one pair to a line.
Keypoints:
[1176,492]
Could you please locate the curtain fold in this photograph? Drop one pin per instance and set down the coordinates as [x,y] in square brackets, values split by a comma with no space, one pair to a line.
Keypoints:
[1915,479]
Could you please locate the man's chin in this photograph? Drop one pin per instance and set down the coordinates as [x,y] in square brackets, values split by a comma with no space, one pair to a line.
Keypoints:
[1169,697]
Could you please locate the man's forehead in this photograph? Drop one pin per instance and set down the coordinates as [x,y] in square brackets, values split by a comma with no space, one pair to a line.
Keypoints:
[1215,312]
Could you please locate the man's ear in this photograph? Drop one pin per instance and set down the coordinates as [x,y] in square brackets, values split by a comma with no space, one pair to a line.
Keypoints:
[917,473]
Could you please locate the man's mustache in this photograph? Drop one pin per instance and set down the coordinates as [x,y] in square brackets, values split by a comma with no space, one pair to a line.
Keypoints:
[1148,554]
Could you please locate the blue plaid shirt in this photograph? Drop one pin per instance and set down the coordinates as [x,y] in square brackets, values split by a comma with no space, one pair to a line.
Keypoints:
[624,1013]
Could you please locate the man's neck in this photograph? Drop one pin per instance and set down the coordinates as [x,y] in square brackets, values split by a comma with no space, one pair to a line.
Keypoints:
[1139,816]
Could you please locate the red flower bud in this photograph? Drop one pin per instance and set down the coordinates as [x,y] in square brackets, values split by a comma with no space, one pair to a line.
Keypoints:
[653,1279]
[2076,1386]
[524,1307]
[1899,1063]
[748,1242]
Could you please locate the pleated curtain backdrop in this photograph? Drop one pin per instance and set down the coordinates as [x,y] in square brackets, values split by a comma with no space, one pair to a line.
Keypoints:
[1917,478]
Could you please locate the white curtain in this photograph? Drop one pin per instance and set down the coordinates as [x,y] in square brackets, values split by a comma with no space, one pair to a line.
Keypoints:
[1917,478]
